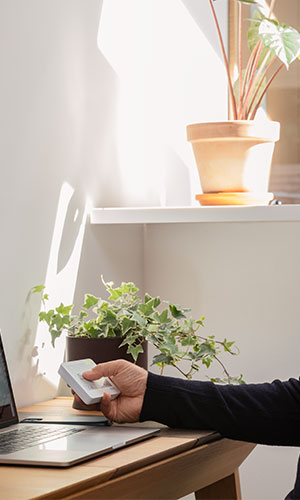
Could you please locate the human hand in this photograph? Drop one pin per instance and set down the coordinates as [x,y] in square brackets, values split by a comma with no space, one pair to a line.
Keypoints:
[131,381]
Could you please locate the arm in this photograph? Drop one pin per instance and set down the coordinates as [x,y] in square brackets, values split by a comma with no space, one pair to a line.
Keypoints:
[261,413]
[266,413]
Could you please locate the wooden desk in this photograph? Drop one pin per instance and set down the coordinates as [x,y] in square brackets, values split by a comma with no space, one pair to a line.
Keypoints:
[168,466]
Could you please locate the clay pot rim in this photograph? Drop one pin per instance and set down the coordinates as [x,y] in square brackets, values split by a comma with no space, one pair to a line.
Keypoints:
[264,130]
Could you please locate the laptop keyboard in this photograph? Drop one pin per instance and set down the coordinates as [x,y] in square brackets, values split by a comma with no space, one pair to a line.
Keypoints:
[25,437]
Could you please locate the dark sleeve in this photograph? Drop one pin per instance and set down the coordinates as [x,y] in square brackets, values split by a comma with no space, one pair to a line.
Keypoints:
[267,413]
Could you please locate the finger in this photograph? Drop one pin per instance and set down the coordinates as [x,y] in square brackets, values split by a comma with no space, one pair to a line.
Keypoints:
[108,369]
[106,406]
[77,398]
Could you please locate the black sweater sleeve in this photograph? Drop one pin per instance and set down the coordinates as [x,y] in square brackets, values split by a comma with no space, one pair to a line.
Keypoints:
[267,413]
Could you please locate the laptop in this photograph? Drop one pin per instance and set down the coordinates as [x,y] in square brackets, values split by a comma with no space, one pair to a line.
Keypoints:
[56,445]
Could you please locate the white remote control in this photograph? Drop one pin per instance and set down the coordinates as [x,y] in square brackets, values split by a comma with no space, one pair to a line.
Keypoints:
[90,391]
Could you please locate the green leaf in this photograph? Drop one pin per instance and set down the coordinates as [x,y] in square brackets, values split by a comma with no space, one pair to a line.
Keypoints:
[139,319]
[206,361]
[65,310]
[135,350]
[282,40]
[127,324]
[82,315]
[157,301]
[169,345]
[163,317]
[252,34]
[129,340]
[88,325]
[90,301]
[147,308]
[115,295]
[206,349]
[37,288]
[128,288]
[113,331]
[253,38]
[54,335]
[60,321]
[227,345]
[111,318]
[102,306]
[229,380]
[176,312]
[46,316]
[189,340]
[162,358]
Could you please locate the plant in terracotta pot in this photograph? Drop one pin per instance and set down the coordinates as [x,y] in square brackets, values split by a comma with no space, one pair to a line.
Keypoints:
[234,157]
[134,321]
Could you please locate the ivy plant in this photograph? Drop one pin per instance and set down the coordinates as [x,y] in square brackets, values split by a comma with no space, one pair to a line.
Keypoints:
[137,319]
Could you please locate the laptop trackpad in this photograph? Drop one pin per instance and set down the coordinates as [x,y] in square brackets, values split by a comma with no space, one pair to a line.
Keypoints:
[46,457]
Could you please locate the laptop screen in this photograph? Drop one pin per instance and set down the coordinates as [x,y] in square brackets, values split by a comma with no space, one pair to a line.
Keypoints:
[8,411]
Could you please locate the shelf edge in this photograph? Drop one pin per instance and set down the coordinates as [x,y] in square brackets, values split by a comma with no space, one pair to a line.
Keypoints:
[173,215]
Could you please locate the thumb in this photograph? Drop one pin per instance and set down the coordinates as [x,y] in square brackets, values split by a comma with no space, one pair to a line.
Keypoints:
[108,369]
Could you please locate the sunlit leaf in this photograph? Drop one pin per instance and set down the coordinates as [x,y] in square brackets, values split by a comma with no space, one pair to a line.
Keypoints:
[282,40]
[90,301]
[65,310]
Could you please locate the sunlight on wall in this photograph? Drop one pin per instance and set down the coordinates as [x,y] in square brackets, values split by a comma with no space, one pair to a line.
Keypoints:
[61,276]
[169,76]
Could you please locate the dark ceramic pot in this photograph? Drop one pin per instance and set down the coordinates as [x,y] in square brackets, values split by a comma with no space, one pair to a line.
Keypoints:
[102,350]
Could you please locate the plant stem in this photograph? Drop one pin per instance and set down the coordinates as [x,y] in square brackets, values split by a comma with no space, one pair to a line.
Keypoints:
[259,85]
[179,369]
[240,56]
[233,101]
[246,76]
[265,90]
[252,79]
[271,7]
[224,369]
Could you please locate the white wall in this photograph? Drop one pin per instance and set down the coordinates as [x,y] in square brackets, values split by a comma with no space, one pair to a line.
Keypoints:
[58,101]
[83,86]
[244,278]
[105,125]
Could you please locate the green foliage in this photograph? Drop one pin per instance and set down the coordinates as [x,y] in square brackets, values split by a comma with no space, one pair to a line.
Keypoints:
[136,320]
[273,45]
[281,40]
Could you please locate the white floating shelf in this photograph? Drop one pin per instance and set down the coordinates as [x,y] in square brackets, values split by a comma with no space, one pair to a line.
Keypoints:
[166,215]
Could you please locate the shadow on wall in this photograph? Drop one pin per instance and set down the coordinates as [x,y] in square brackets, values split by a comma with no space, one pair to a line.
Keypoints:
[201,12]
[60,284]
[58,113]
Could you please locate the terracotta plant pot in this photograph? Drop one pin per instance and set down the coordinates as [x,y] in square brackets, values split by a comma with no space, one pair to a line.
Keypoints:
[100,351]
[234,157]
